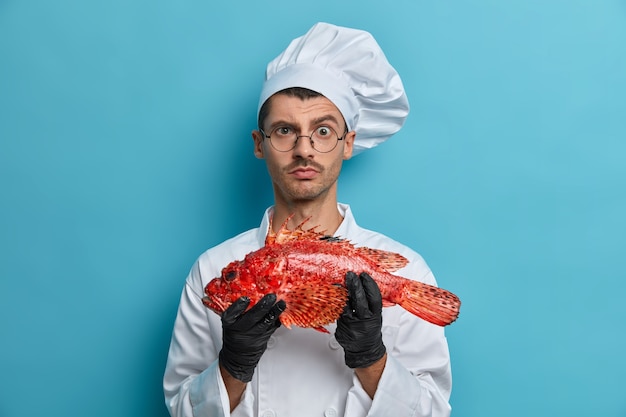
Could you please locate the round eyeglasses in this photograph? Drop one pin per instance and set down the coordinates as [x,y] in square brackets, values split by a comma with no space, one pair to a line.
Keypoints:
[323,138]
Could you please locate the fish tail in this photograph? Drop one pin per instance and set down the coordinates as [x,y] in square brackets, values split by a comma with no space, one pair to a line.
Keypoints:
[433,304]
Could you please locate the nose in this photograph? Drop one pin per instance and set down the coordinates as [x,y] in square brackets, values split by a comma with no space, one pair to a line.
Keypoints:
[304,147]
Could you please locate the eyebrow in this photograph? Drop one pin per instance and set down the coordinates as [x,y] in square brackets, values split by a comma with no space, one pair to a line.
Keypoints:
[316,121]
[326,118]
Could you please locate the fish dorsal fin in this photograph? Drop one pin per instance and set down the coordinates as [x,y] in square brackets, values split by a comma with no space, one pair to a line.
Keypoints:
[390,261]
[285,235]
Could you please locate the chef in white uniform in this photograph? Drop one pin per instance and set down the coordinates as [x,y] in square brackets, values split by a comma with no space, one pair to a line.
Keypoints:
[330,95]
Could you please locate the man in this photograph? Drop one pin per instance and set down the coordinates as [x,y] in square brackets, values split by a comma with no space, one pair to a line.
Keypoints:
[328,96]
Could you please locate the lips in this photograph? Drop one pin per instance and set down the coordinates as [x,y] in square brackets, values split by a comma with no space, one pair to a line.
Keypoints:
[304,173]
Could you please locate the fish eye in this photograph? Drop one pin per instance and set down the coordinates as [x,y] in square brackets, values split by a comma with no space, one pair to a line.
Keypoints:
[230,275]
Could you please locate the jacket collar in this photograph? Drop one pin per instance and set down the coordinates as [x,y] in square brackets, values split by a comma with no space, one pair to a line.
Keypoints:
[347,227]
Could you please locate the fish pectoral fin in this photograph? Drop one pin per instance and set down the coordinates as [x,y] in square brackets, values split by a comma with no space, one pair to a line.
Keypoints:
[313,305]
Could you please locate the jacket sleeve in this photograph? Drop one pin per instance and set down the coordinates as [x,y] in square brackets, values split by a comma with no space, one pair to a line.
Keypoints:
[192,382]
[416,381]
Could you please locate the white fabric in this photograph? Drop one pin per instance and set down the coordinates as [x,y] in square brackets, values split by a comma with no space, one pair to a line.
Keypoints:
[347,67]
[302,373]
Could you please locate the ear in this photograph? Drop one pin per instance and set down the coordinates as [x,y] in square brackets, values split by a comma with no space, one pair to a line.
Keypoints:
[258,144]
[348,145]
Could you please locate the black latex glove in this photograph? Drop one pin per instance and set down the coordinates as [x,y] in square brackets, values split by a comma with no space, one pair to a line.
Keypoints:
[245,335]
[359,327]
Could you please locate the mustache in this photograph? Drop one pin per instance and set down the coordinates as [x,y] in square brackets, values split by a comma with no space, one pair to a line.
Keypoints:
[304,163]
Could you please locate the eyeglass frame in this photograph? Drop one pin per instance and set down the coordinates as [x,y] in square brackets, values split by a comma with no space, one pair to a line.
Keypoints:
[295,142]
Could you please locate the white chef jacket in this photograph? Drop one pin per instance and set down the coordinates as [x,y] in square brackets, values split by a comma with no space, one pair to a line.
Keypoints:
[302,373]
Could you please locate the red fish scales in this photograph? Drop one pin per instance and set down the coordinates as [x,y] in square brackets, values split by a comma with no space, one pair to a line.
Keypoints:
[307,269]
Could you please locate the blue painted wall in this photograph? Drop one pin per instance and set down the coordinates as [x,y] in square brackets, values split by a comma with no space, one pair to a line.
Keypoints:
[125,151]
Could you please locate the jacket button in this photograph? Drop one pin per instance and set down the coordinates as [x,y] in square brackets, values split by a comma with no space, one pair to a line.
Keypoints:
[334,344]
[331,412]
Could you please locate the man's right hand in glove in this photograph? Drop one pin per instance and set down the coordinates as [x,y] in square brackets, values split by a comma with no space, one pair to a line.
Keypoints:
[245,334]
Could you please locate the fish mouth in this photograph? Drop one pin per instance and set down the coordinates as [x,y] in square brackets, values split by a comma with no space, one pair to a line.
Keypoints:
[217,306]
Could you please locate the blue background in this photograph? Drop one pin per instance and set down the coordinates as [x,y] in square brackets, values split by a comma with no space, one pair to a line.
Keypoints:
[125,152]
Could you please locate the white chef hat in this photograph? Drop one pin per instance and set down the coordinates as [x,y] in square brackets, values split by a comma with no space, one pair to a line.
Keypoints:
[347,67]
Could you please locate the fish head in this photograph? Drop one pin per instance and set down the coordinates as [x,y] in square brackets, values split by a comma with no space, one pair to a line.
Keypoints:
[234,282]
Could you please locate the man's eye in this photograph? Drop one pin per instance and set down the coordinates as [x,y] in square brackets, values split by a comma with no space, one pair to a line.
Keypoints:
[283,131]
[323,131]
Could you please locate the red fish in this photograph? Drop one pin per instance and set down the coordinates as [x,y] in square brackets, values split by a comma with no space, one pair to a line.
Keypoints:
[307,269]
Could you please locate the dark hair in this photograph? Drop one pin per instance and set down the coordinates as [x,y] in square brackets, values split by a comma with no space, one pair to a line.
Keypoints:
[299,92]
